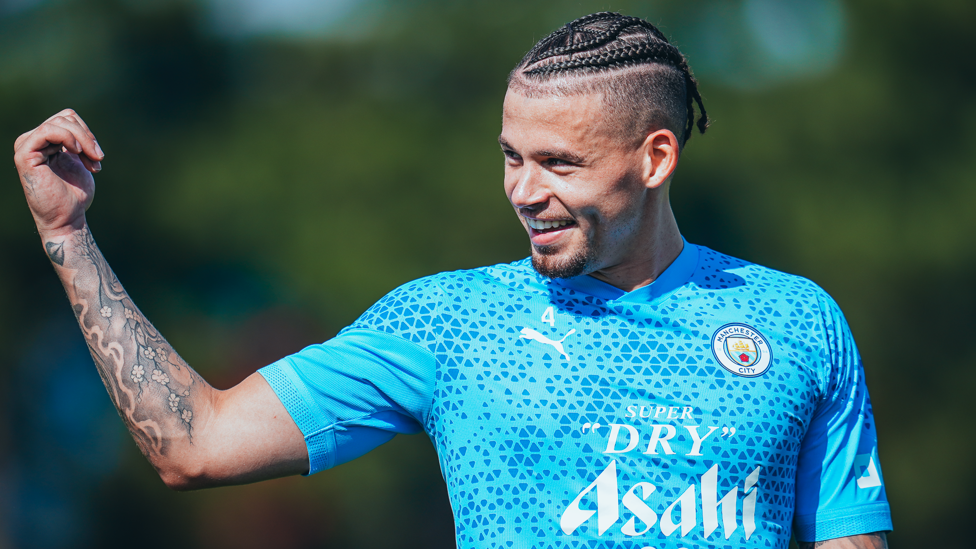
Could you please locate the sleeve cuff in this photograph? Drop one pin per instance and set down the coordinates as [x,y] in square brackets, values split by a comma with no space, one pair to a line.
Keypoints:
[839,523]
[319,439]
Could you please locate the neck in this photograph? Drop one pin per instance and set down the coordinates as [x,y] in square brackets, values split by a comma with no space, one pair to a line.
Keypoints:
[650,256]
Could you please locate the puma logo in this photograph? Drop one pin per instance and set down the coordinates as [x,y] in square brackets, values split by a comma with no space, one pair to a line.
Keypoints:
[529,333]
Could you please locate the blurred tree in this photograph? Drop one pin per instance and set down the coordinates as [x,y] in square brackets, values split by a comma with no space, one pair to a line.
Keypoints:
[260,192]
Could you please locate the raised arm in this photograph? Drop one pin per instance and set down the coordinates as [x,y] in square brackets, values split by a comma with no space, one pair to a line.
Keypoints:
[194,435]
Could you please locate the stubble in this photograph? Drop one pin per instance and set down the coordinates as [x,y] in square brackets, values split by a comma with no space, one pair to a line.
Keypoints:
[547,261]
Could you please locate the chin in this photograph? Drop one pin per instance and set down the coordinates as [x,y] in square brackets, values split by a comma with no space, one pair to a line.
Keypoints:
[550,264]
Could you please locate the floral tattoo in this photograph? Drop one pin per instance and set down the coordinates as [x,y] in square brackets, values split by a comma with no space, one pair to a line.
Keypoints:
[152,388]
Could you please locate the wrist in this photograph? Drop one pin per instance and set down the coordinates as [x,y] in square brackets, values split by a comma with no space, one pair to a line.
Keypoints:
[60,231]
[58,242]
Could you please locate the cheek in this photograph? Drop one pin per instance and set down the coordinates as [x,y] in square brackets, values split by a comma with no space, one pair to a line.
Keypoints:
[509,180]
[620,207]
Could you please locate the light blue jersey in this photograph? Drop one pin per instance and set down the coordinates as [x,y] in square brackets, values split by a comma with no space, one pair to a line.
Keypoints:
[718,406]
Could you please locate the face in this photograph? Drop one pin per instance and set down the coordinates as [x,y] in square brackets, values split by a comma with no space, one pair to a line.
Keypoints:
[576,185]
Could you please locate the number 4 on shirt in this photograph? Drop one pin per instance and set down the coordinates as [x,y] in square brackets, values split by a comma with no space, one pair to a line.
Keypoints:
[549,316]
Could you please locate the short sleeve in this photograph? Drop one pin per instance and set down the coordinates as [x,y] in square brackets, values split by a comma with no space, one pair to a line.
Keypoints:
[354,392]
[839,488]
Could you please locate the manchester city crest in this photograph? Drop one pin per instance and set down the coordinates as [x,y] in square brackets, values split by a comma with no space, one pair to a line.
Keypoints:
[742,350]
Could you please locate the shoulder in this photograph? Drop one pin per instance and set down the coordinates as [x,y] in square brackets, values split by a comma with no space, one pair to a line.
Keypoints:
[794,313]
[725,275]
[431,295]
[518,275]
[791,306]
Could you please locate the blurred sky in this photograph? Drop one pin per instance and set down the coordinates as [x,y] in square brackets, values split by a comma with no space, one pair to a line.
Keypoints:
[769,41]
[286,18]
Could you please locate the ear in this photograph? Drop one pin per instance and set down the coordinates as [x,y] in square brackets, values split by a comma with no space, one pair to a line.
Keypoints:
[659,152]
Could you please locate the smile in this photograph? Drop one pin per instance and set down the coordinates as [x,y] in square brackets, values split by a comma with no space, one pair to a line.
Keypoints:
[545,224]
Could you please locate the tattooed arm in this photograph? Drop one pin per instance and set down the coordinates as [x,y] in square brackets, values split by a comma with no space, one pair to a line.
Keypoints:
[194,435]
[877,540]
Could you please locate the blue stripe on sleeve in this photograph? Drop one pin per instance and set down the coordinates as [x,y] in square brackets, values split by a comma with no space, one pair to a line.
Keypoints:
[839,523]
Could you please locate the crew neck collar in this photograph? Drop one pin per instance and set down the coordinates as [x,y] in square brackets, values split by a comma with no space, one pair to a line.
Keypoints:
[677,273]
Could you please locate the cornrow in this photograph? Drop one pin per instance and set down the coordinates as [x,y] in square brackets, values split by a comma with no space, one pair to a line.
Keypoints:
[596,41]
[692,86]
[627,55]
[607,41]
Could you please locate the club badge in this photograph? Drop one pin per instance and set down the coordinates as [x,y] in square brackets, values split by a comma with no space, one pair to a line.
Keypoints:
[742,350]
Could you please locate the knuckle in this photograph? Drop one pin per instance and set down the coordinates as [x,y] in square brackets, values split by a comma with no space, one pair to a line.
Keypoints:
[21,141]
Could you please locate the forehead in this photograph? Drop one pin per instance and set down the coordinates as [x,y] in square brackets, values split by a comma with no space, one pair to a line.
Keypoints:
[570,121]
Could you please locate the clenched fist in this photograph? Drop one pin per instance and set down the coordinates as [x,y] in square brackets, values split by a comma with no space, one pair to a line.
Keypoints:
[56,161]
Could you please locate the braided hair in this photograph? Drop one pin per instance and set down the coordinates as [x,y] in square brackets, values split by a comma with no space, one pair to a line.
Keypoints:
[625,57]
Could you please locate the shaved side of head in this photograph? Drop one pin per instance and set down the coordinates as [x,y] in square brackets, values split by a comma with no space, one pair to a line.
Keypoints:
[637,100]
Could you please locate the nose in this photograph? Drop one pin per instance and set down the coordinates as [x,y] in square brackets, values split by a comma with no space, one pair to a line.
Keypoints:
[529,190]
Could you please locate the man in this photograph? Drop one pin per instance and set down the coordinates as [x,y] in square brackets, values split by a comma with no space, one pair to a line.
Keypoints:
[622,387]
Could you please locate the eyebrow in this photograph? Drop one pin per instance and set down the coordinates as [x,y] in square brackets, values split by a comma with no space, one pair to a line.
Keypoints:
[565,155]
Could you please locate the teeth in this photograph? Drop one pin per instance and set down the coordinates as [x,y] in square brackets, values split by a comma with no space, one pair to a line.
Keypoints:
[539,224]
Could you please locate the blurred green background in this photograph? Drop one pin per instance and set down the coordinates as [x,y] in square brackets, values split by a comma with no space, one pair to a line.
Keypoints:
[275,167]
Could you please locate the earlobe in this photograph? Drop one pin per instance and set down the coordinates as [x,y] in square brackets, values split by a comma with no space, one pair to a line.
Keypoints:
[660,152]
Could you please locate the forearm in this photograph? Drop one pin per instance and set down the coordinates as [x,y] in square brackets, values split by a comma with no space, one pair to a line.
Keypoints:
[194,435]
[877,540]
[161,400]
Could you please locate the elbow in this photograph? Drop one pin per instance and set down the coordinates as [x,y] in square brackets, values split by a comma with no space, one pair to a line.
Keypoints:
[185,478]
[178,483]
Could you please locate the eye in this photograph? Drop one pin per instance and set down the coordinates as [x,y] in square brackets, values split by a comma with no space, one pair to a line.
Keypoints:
[511,156]
[557,163]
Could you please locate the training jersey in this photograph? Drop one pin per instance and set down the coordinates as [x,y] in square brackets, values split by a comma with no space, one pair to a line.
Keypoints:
[723,405]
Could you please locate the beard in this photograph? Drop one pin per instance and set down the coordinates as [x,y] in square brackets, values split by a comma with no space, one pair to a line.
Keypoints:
[546,261]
